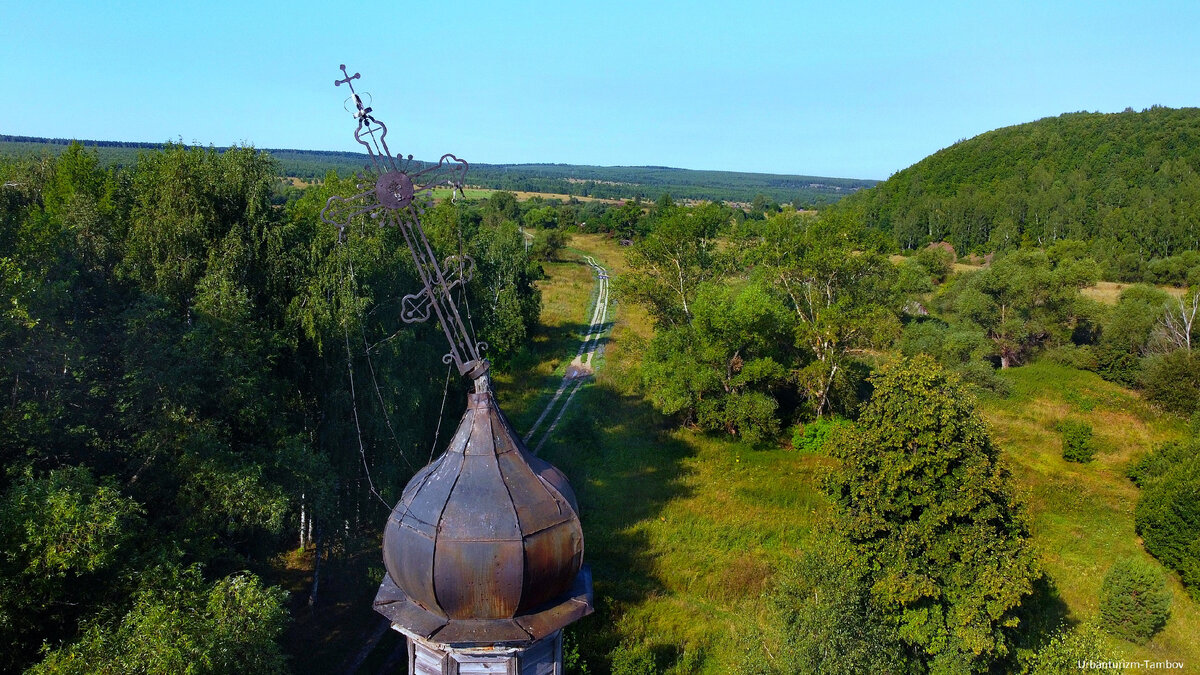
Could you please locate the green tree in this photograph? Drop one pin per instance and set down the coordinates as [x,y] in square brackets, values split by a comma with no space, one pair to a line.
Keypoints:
[501,207]
[934,519]
[1167,515]
[541,217]
[666,267]
[626,221]
[1134,600]
[828,621]
[719,370]
[1127,331]
[840,297]
[65,536]
[180,624]
[548,244]
[1022,301]
[1172,381]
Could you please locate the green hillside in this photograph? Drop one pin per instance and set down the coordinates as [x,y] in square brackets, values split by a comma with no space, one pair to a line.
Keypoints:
[610,182]
[1129,182]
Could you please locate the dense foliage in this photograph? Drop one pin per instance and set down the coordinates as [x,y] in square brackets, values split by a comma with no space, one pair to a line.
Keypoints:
[765,331]
[1168,511]
[829,621]
[1126,183]
[1134,600]
[196,381]
[933,519]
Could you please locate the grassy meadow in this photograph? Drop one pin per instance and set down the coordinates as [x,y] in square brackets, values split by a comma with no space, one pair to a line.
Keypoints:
[684,529]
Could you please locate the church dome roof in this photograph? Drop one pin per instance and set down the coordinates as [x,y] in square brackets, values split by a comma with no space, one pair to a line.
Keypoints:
[485,534]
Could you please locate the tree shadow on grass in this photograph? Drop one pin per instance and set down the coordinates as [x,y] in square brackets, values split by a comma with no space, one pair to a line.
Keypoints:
[1042,615]
[624,467]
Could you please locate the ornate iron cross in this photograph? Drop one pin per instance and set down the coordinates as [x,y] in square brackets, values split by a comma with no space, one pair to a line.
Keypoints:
[401,192]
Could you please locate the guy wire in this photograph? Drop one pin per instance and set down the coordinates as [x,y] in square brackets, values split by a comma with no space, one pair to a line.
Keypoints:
[362,451]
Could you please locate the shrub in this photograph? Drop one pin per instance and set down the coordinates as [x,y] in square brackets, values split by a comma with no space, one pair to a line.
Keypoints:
[1066,649]
[1118,366]
[983,375]
[1168,515]
[1134,600]
[1083,357]
[821,604]
[939,259]
[1158,463]
[1076,441]
[1173,382]
[811,437]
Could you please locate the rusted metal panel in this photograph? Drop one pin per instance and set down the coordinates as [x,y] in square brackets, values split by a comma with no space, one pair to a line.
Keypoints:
[394,604]
[480,507]
[538,505]
[565,609]
[549,473]
[429,502]
[545,573]
[406,556]
[482,441]
[479,579]
[483,631]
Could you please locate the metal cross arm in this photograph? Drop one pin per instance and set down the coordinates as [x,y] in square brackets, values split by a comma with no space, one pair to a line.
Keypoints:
[399,196]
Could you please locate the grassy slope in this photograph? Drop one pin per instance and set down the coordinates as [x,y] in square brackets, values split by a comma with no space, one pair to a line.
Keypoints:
[1082,514]
[683,529]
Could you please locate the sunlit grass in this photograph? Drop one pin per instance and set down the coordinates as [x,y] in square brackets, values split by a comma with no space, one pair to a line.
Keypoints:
[1082,514]
[1108,292]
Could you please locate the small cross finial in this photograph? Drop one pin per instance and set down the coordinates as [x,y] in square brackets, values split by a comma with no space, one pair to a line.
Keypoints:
[338,83]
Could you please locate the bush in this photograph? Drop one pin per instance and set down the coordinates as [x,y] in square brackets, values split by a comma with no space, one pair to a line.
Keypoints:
[1077,443]
[1168,514]
[1158,463]
[1173,382]
[1063,653]
[1134,600]
[1083,357]
[821,605]
[981,374]
[811,437]
[939,259]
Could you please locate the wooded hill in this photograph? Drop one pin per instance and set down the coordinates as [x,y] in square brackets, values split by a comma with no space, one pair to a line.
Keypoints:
[610,182]
[1126,182]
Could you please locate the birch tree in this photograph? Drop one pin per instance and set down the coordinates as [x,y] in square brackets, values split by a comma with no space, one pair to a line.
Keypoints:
[839,294]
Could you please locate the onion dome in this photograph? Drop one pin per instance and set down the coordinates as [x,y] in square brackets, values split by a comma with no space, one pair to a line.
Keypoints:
[485,545]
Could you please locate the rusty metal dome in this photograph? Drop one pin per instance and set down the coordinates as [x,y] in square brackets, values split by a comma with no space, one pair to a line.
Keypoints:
[485,545]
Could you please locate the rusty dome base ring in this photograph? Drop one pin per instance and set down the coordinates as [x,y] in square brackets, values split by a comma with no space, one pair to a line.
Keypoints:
[415,621]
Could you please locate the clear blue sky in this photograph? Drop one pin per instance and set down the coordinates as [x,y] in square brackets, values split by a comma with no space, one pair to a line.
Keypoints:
[847,89]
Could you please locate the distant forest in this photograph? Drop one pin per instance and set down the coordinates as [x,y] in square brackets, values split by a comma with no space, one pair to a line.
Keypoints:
[1128,183]
[608,182]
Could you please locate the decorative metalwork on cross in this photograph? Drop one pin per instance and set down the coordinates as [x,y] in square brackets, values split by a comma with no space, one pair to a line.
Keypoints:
[396,190]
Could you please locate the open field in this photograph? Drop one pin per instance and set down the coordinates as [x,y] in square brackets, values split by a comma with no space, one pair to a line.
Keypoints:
[1082,514]
[1108,292]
